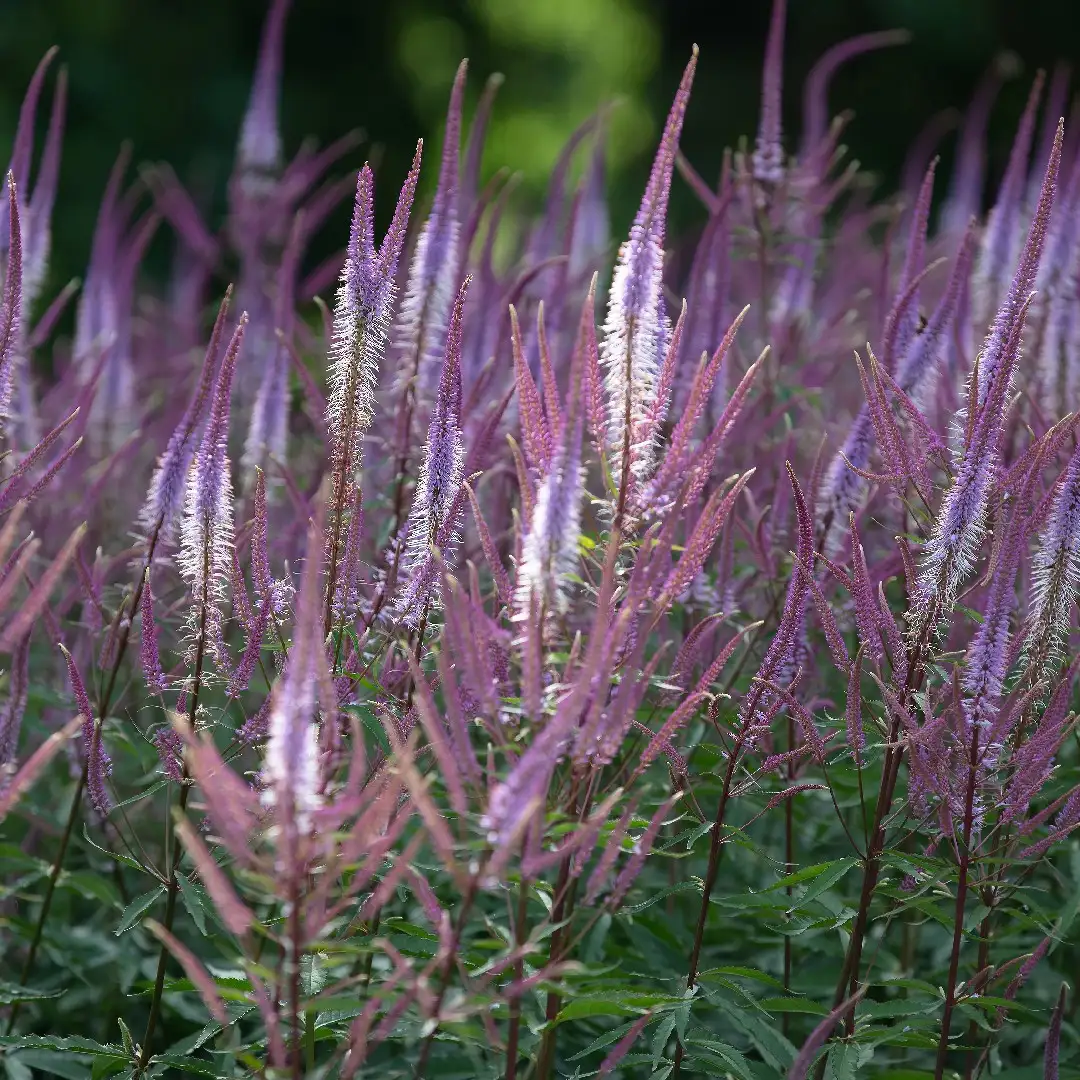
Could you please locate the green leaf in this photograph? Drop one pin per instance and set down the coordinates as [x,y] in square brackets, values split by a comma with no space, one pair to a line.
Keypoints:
[732,1058]
[72,1044]
[824,881]
[372,726]
[189,892]
[53,1063]
[12,992]
[745,973]
[188,1064]
[604,1040]
[137,908]
[115,855]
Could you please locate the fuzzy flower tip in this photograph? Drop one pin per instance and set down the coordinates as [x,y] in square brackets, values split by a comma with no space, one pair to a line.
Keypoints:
[637,327]
[437,501]
[362,315]
[206,533]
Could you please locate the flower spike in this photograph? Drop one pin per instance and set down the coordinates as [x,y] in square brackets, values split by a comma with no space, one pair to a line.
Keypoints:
[637,327]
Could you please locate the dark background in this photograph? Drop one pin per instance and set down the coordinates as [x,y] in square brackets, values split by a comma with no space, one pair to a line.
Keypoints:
[173,75]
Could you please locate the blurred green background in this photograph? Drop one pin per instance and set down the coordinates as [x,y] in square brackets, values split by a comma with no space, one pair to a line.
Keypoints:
[173,75]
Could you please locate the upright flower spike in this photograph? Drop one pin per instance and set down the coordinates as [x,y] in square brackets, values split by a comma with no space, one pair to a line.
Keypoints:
[550,552]
[164,500]
[259,152]
[992,355]
[433,274]
[1055,575]
[11,714]
[362,316]
[206,533]
[637,327]
[907,320]
[149,654]
[437,501]
[961,522]
[292,767]
[965,194]
[11,304]
[768,159]
[40,203]
[268,426]
[1001,237]
[22,150]
[98,764]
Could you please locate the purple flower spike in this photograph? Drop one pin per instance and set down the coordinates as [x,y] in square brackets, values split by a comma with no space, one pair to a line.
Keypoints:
[164,500]
[23,147]
[98,765]
[768,159]
[206,534]
[1055,574]
[260,139]
[815,125]
[637,327]
[292,767]
[437,501]
[11,304]
[11,716]
[918,366]
[1002,236]
[992,356]
[268,427]
[149,654]
[961,521]
[550,552]
[362,317]
[40,204]
[433,274]
[908,319]
[965,195]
